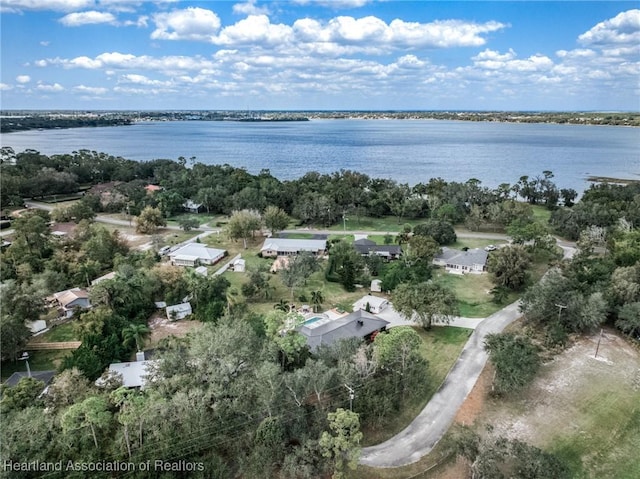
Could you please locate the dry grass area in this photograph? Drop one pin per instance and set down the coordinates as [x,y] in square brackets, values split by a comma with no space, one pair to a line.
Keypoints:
[583,408]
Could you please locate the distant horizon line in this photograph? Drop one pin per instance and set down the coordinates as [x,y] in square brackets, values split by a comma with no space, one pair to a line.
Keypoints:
[328,110]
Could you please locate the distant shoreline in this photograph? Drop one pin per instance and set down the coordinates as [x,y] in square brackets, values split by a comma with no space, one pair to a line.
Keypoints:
[23,120]
[608,179]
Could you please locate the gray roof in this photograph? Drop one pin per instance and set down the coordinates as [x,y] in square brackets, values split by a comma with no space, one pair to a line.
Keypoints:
[355,325]
[463,258]
[44,376]
[197,251]
[294,245]
[366,246]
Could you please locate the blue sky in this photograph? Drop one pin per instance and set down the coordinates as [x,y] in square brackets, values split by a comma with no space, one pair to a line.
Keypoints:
[320,54]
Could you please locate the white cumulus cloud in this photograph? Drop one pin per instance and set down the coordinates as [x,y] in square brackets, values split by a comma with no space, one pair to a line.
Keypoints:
[23,79]
[91,90]
[624,28]
[193,23]
[249,8]
[56,87]
[92,17]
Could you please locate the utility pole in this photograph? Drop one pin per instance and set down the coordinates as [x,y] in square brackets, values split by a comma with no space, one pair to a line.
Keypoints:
[598,346]
[560,308]
[352,395]
[344,221]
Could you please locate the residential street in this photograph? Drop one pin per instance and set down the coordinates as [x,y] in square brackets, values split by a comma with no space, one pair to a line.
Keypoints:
[430,425]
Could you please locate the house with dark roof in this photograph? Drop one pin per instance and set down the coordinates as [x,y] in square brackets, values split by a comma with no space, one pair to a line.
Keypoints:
[326,332]
[366,247]
[274,247]
[44,376]
[462,262]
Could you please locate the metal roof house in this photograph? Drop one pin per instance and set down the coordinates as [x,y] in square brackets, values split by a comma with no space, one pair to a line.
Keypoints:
[326,332]
[461,262]
[193,254]
[273,247]
[134,373]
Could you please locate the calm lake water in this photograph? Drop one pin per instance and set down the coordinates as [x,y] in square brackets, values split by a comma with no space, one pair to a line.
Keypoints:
[409,151]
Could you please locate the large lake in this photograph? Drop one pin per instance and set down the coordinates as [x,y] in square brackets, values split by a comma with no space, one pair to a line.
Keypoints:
[409,151]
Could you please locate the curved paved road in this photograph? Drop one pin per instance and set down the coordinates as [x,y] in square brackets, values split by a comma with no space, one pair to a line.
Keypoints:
[430,425]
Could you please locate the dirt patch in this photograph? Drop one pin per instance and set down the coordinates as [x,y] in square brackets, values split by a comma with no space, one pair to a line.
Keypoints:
[161,327]
[474,403]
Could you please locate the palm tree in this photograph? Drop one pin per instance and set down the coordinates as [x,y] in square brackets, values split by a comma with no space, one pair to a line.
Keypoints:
[233,299]
[282,305]
[135,333]
[316,299]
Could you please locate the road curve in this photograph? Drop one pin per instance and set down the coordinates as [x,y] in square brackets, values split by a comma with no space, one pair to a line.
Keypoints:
[417,439]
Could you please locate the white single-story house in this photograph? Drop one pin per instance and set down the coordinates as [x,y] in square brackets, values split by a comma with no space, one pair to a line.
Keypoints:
[461,262]
[239,266]
[370,303]
[134,373]
[71,299]
[273,247]
[196,253]
[376,286]
[179,311]
[366,247]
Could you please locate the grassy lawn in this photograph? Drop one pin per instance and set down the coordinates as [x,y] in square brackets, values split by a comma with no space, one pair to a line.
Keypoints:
[38,361]
[441,347]
[202,218]
[472,291]
[541,214]
[60,333]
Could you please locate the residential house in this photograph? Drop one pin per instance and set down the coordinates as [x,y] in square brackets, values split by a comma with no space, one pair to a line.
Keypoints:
[45,376]
[133,373]
[366,247]
[179,311]
[193,254]
[70,300]
[193,207]
[274,247]
[358,324]
[461,262]
[372,304]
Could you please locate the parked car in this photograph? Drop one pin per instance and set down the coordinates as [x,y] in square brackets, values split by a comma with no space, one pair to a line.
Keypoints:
[491,247]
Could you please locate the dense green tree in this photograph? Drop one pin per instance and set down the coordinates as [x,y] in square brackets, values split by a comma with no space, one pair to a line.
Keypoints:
[275,219]
[243,224]
[188,224]
[92,413]
[149,220]
[22,395]
[441,231]
[342,444]
[516,361]
[425,302]
[510,266]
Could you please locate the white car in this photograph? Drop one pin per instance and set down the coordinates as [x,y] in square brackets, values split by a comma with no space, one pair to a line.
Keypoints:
[491,247]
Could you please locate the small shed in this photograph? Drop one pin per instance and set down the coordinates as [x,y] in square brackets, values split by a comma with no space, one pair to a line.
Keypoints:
[376,286]
[179,311]
[37,326]
[239,265]
[202,270]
